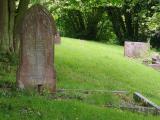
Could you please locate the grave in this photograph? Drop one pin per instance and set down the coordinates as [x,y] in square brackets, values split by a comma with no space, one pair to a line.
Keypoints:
[136,49]
[153,62]
[38,33]
[57,38]
[140,98]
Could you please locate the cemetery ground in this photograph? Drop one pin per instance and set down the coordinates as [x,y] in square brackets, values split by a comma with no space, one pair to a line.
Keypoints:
[81,65]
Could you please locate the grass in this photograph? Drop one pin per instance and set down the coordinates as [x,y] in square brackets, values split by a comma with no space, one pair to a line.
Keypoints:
[91,65]
[82,65]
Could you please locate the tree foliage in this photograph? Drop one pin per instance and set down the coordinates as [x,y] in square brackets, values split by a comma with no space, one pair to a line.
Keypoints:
[101,20]
[105,19]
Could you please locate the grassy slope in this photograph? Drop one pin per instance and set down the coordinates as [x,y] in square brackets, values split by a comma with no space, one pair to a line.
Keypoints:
[83,65]
[89,65]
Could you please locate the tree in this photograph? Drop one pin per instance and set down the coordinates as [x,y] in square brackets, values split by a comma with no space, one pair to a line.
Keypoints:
[84,19]
[22,7]
[129,20]
[4,25]
[10,19]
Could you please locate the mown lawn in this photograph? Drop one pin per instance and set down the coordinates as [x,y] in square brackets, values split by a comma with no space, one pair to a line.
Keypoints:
[91,65]
[82,65]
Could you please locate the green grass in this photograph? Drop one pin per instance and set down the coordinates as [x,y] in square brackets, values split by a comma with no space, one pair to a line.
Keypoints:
[83,65]
[91,65]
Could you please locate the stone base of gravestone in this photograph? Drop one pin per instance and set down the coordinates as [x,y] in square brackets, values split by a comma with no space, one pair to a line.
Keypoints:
[136,49]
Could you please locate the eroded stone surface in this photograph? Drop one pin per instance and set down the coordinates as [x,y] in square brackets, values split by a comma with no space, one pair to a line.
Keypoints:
[36,69]
[136,49]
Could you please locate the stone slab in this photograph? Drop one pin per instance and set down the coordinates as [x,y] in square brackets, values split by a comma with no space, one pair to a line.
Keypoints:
[139,97]
[36,68]
[136,49]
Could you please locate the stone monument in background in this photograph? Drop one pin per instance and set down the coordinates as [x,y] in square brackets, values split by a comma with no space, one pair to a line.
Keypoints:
[136,49]
[57,39]
[38,33]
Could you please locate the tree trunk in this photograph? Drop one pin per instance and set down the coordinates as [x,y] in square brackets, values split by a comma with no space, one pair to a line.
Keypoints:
[12,9]
[129,27]
[9,26]
[93,19]
[119,28]
[4,26]
[22,8]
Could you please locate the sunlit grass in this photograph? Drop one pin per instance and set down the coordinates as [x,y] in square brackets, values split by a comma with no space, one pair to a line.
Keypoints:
[90,65]
[82,65]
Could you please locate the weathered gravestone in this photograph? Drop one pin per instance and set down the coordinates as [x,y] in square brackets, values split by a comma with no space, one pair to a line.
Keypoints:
[57,38]
[36,69]
[136,49]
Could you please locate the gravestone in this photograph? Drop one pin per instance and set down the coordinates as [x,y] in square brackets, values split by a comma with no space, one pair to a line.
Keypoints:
[38,33]
[136,49]
[57,38]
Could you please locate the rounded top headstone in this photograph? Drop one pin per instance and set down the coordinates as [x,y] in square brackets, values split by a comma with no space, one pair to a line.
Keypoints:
[38,10]
[36,67]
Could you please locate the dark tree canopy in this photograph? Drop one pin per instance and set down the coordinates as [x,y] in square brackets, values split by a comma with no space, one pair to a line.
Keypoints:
[112,21]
